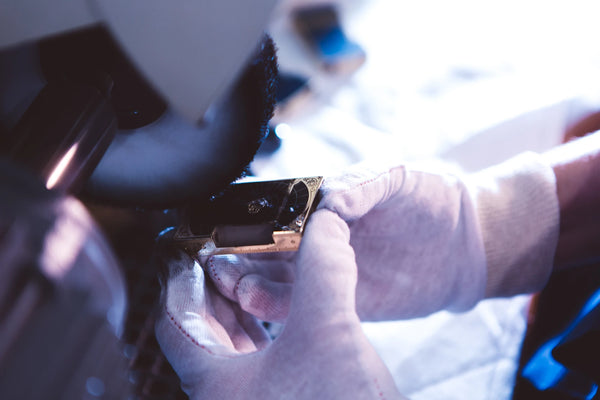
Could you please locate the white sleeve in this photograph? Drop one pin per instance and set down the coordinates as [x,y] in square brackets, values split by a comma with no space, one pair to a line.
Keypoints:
[518,211]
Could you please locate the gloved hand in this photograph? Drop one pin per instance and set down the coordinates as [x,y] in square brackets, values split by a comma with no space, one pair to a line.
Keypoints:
[417,245]
[221,352]
[423,242]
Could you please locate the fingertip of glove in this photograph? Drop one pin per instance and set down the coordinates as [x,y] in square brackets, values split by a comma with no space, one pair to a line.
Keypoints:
[325,222]
[265,299]
[225,272]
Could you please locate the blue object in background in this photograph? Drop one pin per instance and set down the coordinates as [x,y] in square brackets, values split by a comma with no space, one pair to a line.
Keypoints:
[545,372]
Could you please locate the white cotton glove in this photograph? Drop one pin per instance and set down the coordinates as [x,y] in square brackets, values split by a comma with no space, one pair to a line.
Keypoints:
[221,352]
[417,243]
[421,243]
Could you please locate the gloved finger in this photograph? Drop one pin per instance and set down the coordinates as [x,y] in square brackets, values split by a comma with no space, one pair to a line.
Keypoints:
[228,272]
[265,299]
[194,313]
[326,272]
[195,358]
[244,331]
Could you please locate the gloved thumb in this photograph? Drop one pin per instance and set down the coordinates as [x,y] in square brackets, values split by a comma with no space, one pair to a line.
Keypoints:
[326,272]
[262,286]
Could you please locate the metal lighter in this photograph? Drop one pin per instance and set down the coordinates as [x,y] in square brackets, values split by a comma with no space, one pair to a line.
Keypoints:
[249,217]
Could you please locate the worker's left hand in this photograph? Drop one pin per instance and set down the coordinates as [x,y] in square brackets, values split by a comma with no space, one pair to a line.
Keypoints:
[221,352]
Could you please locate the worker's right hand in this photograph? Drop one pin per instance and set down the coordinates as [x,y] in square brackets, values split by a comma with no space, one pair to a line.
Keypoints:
[417,245]
[221,352]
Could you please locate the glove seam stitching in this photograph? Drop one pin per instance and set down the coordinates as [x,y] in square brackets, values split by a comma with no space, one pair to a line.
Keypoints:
[236,288]
[379,389]
[189,336]
[215,275]
[364,183]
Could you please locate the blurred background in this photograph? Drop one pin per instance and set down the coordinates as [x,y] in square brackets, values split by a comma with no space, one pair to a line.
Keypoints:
[435,75]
